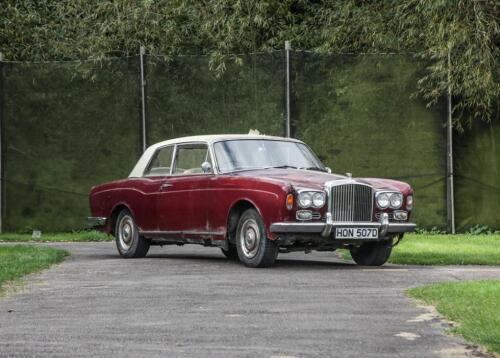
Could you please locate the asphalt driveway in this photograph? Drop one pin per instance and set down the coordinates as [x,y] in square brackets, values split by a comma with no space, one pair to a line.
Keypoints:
[192,302]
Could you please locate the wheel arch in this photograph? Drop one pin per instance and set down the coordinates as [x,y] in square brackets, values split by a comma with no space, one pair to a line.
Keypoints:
[114,215]
[237,209]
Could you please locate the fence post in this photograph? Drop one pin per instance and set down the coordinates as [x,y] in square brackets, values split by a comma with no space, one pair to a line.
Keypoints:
[2,127]
[142,52]
[449,158]
[288,47]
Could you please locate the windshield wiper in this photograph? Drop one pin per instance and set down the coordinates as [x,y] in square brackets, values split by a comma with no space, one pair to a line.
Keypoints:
[316,169]
[283,167]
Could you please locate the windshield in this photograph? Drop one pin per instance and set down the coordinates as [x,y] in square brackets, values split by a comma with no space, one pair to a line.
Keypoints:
[244,154]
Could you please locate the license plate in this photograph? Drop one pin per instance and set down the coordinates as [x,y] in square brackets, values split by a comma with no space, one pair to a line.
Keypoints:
[356,233]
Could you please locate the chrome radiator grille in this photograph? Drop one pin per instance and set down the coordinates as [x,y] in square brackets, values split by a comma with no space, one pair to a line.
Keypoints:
[351,202]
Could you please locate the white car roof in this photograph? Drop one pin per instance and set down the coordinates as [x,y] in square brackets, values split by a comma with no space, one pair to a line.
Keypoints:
[209,139]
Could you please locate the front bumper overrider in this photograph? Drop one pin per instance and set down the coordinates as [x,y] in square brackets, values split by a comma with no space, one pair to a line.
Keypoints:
[325,228]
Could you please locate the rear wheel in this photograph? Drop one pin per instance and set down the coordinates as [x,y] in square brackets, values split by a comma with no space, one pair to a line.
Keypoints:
[372,253]
[128,241]
[253,247]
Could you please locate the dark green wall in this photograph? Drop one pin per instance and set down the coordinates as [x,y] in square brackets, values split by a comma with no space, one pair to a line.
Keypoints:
[69,126]
[477,173]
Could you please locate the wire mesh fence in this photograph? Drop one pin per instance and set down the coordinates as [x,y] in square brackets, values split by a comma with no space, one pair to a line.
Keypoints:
[68,126]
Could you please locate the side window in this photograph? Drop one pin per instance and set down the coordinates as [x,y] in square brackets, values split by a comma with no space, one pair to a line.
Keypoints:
[162,160]
[189,158]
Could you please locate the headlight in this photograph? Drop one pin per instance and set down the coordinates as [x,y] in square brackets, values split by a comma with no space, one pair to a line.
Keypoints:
[383,200]
[318,200]
[396,200]
[310,198]
[409,202]
[389,199]
[305,199]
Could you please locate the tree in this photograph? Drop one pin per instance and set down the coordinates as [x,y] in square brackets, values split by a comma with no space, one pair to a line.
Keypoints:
[468,30]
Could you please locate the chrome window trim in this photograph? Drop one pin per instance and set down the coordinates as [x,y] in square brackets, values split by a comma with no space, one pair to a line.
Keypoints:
[289,140]
[174,153]
[143,175]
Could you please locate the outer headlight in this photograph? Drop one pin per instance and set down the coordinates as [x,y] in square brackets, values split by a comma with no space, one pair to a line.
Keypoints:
[383,201]
[305,199]
[318,200]
[396,200]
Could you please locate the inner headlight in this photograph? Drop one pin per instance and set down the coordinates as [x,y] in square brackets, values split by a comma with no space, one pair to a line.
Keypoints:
[305,199]
[318,200]
[396,200]
[383,201]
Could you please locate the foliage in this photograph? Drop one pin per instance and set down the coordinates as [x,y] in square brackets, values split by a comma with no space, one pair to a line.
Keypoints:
[433,231]
[473,305]
[20,260]
[482,230]
[77,236]
[467,29]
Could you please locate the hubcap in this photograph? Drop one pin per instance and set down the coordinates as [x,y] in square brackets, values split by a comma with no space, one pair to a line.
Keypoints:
[250,238]
[126,232]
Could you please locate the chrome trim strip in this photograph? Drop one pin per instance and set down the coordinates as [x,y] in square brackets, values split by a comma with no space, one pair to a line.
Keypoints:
[401,227]
[325,228]
[187,232]
[94,221]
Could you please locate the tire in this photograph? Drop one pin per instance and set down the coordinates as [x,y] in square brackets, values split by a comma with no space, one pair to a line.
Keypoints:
[128,241]
[231,253]
[372,253]
[253,247]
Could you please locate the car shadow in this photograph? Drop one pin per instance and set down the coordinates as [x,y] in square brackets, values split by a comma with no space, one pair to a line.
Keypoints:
[281,263]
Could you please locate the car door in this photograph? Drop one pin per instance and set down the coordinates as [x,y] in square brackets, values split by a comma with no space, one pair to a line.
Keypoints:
[184,202]
[151,187]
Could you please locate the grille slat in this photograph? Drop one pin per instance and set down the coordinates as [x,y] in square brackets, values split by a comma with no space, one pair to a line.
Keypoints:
[351,202]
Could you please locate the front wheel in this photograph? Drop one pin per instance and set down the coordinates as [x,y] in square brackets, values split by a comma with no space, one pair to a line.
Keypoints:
[128,241]
[372,253]
[231,253]
[253,247]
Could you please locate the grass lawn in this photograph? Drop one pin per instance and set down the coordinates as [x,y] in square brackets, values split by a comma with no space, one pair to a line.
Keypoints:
[19,260]
[58,237]
[473,305]
[421,249]
[462,249]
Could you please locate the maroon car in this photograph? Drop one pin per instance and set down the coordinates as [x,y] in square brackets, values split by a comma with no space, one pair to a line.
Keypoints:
[253,196]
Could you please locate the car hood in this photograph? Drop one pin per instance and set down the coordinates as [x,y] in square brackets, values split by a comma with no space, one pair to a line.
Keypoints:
[316,180]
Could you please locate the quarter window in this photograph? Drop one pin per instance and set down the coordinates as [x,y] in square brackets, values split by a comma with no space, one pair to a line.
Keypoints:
[161,163]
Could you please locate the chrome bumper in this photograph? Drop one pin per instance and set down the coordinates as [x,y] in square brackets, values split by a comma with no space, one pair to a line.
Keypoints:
[325,228]
[94,221]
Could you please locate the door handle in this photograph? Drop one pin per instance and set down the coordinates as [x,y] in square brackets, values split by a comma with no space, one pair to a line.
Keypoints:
[165,186]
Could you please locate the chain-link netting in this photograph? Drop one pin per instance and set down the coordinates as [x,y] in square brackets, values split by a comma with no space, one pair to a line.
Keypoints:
[477,173]
[68,126]
[186,97]
[356,112]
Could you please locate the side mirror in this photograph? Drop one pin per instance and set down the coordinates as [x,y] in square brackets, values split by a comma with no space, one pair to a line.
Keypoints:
[206,167]
[328,170]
